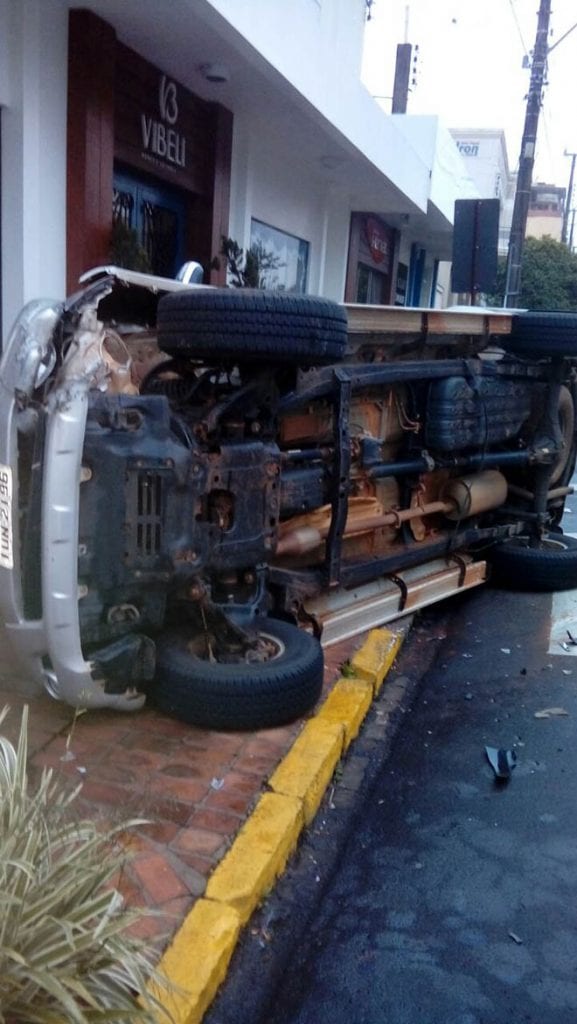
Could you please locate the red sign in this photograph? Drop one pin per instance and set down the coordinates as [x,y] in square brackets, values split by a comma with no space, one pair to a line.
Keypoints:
[377,238]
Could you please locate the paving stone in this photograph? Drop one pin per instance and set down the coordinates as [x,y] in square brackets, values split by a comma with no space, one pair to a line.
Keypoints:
[204,865]
[197,840]
[231,800]
[216,821]
[190,791]
[263,764]
[241,782]
[158,878]
[162,832]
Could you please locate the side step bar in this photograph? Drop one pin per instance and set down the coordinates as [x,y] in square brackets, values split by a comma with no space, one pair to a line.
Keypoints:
[346,613]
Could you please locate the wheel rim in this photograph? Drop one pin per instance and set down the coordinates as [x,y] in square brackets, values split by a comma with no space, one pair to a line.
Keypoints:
[266,648]
[553,544]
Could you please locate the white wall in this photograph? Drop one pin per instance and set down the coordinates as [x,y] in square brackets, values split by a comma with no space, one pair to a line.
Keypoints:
[450,178]
[271,184]
[302,38]
[33,83]
[485,156]
[316,45]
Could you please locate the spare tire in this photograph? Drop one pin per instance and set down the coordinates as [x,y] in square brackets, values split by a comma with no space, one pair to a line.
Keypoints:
[248,324]
[542,334]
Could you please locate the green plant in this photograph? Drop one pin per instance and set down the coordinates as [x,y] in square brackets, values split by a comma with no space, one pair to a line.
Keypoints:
[251,269]
[347,671]
[126,250]
[65,950]
[548,277]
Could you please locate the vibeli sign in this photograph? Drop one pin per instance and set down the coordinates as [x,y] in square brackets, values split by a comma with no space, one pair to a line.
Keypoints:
[160,138]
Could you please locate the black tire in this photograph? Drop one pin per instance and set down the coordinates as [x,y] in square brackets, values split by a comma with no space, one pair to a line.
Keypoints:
[550,566]
[257,695]
[246,324]
[542,334]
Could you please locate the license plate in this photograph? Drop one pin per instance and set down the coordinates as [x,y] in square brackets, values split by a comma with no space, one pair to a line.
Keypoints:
[6,549]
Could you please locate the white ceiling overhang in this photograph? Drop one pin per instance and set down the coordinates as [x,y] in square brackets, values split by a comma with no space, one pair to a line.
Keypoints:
[374,162]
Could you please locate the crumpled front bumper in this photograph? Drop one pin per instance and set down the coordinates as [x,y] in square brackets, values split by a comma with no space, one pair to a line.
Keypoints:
[49,647]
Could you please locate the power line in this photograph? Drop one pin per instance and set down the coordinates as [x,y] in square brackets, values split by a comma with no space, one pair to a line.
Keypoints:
[516,20]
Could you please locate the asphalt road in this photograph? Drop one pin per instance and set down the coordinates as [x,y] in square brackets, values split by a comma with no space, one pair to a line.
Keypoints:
[454,898]
[426,891]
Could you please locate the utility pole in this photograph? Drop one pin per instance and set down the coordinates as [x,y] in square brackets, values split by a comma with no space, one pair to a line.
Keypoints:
[568,197]
[527,157]
[402,77]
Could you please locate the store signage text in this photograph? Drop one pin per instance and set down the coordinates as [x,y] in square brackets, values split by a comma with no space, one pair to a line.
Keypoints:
[468,148]
[159,137]
[377,240]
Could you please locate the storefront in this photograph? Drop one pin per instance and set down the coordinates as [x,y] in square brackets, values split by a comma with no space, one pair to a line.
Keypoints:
[148,161]
[372,260]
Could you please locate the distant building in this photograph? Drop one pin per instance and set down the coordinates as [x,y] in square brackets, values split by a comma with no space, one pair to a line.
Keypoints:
[546,211]
[484,152]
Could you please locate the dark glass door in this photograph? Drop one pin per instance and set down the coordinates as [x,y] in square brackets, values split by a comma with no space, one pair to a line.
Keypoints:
[154,216]
[372,286]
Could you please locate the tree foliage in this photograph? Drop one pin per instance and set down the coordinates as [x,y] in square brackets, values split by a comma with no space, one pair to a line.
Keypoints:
[251,269]
[548,277]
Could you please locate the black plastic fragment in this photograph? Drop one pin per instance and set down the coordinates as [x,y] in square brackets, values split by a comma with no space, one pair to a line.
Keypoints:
[502,761]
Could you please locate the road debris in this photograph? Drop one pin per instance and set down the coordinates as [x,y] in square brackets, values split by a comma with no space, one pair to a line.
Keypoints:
[552,713]
[571,642]
[502,761]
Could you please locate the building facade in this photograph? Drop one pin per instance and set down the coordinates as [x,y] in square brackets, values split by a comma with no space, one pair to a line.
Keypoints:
[546,213]
[133,131]
[484,152]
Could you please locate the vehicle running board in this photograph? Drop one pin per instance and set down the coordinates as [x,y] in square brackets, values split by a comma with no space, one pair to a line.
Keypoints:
[346,613]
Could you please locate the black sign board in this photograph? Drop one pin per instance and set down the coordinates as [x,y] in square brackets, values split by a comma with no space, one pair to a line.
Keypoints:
[475,241]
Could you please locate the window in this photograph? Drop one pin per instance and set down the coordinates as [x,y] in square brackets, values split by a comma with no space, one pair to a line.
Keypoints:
[291,256]
[156,214]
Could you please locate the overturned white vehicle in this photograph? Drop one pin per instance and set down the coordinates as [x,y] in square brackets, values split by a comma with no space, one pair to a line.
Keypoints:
[201,487]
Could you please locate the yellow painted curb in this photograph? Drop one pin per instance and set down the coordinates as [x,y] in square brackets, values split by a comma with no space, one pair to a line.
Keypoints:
[309,766]
[347,705]
[376,656]
[196,961]
[258,854]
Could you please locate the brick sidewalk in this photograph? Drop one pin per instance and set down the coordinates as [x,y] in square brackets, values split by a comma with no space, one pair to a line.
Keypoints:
[194,786]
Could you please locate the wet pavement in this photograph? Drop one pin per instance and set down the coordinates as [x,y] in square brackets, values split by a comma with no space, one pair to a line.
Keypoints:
[455,899]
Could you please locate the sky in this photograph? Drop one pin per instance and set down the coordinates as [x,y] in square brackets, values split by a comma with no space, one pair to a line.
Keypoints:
[470,69]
